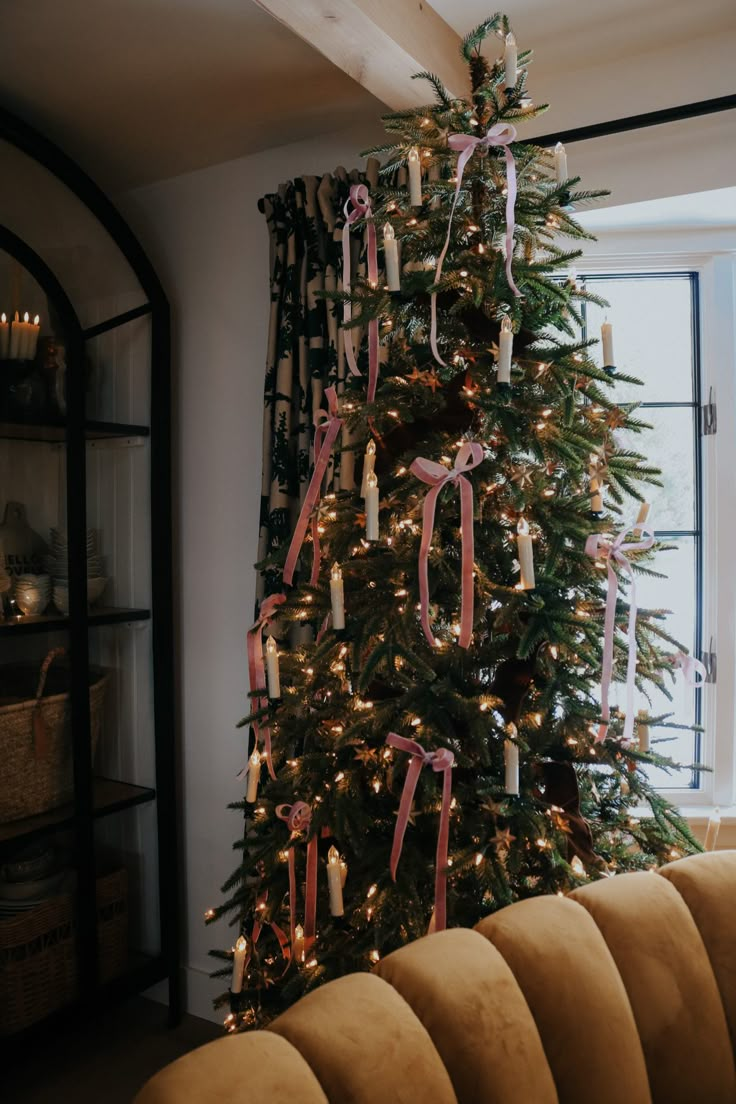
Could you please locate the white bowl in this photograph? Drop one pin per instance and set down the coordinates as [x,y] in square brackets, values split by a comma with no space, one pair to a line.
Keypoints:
[95,588]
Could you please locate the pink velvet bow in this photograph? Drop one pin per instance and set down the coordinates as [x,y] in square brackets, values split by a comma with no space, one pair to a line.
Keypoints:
[258,925]
[438,476]
[328,426]
[693,670]
[501,134]
[361,208]
[600,547]
[298,818]
[257,673]
[440,761]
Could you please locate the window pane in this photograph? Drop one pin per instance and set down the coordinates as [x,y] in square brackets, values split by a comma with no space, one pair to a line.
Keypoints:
[652,334]
[669,446]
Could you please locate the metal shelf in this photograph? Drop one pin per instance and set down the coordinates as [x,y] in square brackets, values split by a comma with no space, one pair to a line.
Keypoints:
[108,796]
[55,622]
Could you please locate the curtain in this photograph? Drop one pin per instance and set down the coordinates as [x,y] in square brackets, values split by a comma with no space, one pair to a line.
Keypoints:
[305,345]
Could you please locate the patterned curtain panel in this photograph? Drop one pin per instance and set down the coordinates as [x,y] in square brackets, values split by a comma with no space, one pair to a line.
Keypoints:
[305,345]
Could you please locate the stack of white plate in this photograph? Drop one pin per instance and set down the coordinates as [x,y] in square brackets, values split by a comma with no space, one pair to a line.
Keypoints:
[58,566]
[32,593]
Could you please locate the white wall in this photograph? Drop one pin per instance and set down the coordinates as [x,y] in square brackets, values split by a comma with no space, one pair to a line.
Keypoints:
[210,245]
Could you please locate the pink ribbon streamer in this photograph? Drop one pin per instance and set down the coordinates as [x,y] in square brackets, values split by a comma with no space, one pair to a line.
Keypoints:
[693,670]
[501,134]
[599,547]
[438,476]
[258,926]
[257,674]
[440,761]
[298,818]
[361,208]
[328,426]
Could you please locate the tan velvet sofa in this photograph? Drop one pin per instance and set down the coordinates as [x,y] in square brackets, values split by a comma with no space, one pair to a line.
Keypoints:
[622,993]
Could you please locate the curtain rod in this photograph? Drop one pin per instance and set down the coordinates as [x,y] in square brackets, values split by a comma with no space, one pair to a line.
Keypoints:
[638,122]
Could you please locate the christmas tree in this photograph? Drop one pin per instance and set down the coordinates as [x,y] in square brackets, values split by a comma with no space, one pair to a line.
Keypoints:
[446,744]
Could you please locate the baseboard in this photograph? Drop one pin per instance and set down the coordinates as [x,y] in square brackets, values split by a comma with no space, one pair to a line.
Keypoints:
[199,992]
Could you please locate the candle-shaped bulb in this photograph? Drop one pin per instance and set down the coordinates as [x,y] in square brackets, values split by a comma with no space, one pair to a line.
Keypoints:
[254,775]
[272,668]
[239,950]
[25,317]
[505,349]
[391,257]
[511,761]
[560,155]
[337,597]
[510,61]
[607,343]
[298,948]
[415,177]
[3,318]
[371,507]
[525,551]
[505,324]
[371,447]
[334,882]
[369,461]
[711,834]
[37,320]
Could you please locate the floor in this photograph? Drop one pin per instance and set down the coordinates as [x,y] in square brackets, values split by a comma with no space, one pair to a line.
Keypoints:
[108,1060]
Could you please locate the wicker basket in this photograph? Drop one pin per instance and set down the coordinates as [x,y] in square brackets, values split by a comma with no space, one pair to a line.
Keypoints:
[36,772]
[38,953]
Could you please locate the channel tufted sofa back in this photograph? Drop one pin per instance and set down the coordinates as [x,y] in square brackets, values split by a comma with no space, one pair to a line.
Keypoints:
[622,993]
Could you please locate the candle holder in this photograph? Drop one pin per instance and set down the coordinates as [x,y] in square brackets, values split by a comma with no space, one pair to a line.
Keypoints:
[610,369]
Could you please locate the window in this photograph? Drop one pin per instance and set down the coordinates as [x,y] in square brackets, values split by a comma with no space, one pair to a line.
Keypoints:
[656,338]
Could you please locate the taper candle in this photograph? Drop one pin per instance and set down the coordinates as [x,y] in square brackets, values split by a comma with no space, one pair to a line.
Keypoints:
[25,338]
[505,348]
[607,342]
[642,730]
[15,337]
[511,762]
[415,178]
[596,487]
[298,948]
[525,549]
[4,336]
[369,461]
[239,951]
[272,669]
[641,518]
[391,258]
[334,882]
[560,154]
[510,61]
[337,597]
[254,774]
[371,508]
[714,826]
[34,330]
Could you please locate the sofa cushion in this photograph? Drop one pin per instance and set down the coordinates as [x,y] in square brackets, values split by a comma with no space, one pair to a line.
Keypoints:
[707,883]
[673,993]
[465,995]
[253,1067]
[365,1045]
[571,984]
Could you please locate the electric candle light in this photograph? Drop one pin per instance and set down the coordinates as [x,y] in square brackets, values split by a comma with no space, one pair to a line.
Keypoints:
[254,774]
[4,336]
[607,342]
[526,554]
[642,730]
[334,882]
[511,762]
[337,597]
[298,948]
[15,337]
[641,517]
[238,963]
[272,669]
[560,163]
[369,461]
[596,488]
[505,347]
[510,61]
[371,508]
[391,257]
[415,178]
[714,825]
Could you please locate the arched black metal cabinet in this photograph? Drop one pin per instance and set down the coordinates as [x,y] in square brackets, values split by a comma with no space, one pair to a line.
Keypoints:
[85,447]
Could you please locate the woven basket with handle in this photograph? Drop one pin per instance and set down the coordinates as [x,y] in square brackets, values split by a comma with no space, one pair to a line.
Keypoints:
[36,771]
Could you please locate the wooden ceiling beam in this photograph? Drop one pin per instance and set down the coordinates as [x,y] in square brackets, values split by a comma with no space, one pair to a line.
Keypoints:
[379,43]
